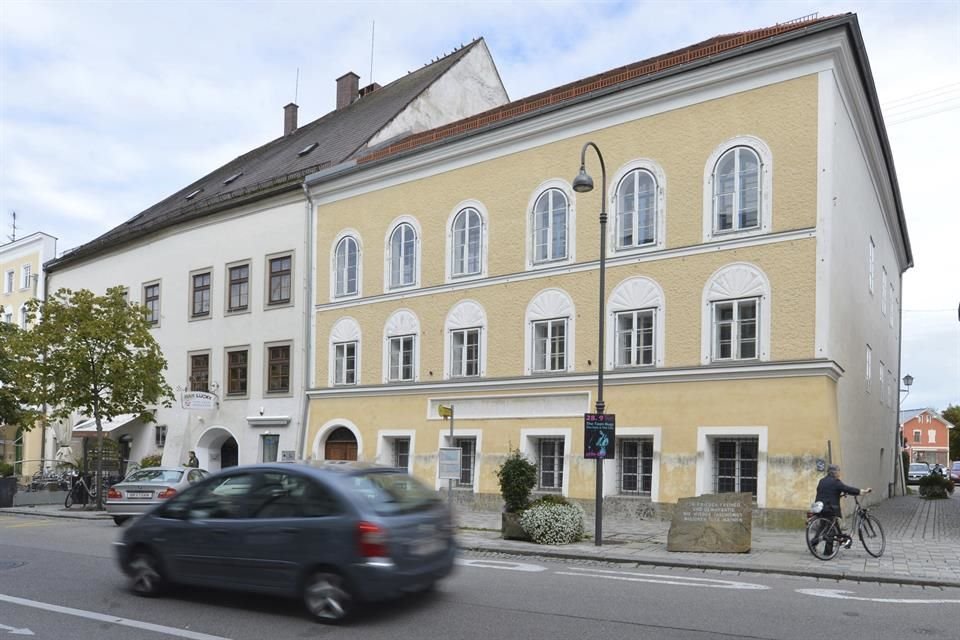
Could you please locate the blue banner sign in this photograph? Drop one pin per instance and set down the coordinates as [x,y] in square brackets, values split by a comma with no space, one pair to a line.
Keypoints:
[599,435]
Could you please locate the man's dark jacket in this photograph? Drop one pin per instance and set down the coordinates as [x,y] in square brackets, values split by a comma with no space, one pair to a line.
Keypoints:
[829,490]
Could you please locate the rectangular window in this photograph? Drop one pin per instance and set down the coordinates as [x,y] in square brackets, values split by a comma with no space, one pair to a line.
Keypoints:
[889,388]
[237,368]
[869,371]
[871,250]
[634,338]
[916,435]
[550,345]
[893,302]
[931,436]
[636,466]
[550,464]
[25,272]
[736,464]
[23,318]
[160,435]
[8,281]
[735,329]
[345,363]
[401,453]
[465,353]
[239,292]
[151,300]
[401,358]
[880,388]
[278,369]
[883,290]
[200,372]
[281,270]
[200,295]
[270,444]
[468,457]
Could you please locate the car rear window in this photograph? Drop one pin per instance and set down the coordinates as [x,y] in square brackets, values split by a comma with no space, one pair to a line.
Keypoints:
[155,475]
[393,493]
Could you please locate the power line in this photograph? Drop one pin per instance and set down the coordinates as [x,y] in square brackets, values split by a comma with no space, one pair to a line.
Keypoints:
[922,95]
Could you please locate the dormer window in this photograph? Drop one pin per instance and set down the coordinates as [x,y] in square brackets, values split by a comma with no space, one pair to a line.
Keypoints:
[193,194]
[307,149]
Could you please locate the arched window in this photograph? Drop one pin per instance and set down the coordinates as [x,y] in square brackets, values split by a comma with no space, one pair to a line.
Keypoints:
[736,190]
[467,238]
[550,223]
[466,326]
[635,324]
[549,341]
[736,315]
[345,351]
[347,260]
[401,356]
[403,256]
[637,210]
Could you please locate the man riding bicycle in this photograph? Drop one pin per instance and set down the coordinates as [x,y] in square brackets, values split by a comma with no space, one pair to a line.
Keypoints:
[829,490]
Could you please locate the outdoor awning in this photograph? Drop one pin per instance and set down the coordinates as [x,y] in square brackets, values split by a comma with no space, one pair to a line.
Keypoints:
[88,428]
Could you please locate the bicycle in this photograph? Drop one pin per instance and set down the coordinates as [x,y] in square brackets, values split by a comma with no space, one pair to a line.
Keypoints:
[79,485]
[824,532]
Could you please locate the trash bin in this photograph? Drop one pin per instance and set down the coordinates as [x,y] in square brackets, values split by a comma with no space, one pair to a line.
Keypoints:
[8,487]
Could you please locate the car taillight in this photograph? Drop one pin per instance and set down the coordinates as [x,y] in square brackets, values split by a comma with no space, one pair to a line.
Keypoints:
[113,494]
[169,492]
[373,540]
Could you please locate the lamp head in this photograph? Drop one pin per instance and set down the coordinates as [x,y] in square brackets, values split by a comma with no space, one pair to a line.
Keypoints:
[907,380]
[583,182]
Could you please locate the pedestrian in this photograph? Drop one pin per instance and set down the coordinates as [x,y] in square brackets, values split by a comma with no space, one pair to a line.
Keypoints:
[829,490]
[193,462]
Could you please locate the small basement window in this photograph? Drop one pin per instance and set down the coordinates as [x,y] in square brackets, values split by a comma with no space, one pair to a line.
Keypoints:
[307,149]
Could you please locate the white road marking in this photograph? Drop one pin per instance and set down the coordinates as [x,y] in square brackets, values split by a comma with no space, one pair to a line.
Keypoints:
[841,595]
[681,581]
[100,617]
[500,564]
[14,631]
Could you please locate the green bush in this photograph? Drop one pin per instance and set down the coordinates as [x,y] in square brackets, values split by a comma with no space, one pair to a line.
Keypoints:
[549,522]
[518,477]
[550,498]
[153,460]
[5,469]
[935,486]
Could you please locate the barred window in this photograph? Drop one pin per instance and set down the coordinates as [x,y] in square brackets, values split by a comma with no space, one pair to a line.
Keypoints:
[468,456]
[636,466]
[735,465]
[550,464]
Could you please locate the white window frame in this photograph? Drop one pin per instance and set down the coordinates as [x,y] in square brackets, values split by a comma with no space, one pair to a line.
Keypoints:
[143,293]
[883,291]
[344,330]
[550,304]
[871,263]
[386,446]
[736,281]
[564,187]
[868,377]
[765,203]
[552,325]
[611,468]
[660,215]
[551,195]
[402,342]
[444,440]
[402,323]
[23,317]
[529,439]
[466,314]
[881,389]
[893,302]
[402,220]
[451,273]
[636,293]
[705,457]
[25,272]
[9,278]
[263,448]
[931,436]
[345,347]
[268,303]
[735,326]
[334,275]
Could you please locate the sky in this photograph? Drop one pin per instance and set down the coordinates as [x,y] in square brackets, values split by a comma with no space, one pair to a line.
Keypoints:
[108,107]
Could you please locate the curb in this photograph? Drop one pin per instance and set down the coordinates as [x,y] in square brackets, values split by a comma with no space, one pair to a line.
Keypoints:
[76,515]
[714,566]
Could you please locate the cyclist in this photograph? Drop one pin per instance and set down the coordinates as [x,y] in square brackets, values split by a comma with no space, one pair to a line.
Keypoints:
[829,490]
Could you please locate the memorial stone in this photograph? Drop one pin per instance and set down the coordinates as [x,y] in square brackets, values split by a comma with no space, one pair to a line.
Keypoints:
[720,523]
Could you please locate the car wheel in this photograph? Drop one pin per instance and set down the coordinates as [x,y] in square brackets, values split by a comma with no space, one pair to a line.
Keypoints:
[119,520]
[146,578]
[326,597]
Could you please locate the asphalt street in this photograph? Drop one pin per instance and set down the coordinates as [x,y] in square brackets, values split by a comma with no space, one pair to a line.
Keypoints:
[58,580]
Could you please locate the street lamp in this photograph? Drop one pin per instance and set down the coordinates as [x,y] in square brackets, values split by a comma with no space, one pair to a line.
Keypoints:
[583,183]
[907,383]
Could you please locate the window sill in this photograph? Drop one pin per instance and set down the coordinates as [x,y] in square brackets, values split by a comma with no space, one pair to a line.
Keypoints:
[200,318]
[278,305]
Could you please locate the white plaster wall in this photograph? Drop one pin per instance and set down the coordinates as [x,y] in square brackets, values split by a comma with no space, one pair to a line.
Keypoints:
[249,233]
[851,212]
[470,87]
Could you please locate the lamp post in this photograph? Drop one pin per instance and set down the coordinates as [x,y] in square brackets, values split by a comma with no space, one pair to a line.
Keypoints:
[583,183]
[907,383]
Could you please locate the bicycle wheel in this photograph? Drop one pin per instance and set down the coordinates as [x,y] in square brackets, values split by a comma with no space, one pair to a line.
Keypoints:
[871,536]
[821,535]
[68,501]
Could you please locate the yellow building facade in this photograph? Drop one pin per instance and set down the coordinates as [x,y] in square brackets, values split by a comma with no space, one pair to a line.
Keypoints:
[465,273]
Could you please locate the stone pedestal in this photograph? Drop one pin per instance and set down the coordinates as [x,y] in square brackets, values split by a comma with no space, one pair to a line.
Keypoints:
[720,523]
[510,528]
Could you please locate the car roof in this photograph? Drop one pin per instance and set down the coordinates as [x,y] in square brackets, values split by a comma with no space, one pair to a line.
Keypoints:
[346,467]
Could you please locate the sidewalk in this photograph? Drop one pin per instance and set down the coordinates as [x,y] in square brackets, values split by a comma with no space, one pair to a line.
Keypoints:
[923,544]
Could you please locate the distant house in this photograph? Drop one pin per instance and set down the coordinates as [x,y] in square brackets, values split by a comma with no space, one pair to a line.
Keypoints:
[926,436]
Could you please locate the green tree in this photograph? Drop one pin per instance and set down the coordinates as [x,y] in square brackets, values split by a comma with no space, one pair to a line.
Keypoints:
[952,415]
[92,355]
[12,410]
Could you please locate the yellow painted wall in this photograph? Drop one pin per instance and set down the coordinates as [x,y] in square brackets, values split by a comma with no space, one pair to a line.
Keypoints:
[12,301]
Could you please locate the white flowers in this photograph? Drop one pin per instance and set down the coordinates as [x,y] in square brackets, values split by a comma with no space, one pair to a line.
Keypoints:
[552,523]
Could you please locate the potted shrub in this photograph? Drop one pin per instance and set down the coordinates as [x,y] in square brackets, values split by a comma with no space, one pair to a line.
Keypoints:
[518,477]
[935,486]
[553,520]
[8,485]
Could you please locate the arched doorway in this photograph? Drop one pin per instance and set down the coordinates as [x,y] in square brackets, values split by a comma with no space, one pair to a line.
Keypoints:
[229,453]
[341,444]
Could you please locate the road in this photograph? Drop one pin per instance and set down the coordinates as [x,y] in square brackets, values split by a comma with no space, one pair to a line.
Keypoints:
[58,580]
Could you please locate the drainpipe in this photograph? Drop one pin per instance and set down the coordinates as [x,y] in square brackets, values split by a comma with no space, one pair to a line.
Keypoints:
[307,322]
[898,461]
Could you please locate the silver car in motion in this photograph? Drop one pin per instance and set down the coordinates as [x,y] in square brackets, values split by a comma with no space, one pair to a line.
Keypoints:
[333,535]
[145,488]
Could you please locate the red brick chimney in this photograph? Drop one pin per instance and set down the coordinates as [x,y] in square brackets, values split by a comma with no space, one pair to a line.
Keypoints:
[290,119]
[347,89]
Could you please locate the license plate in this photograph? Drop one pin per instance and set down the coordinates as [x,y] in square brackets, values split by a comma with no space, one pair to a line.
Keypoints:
[428,547]
[139,494]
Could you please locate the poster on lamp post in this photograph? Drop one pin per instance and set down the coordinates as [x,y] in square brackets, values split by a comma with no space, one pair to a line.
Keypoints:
[599,435]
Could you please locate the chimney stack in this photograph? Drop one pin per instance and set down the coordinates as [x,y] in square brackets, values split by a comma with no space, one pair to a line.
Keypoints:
[290,119]
[347,89]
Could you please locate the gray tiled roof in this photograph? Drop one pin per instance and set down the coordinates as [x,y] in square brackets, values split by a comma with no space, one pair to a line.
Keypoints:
[277,166]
